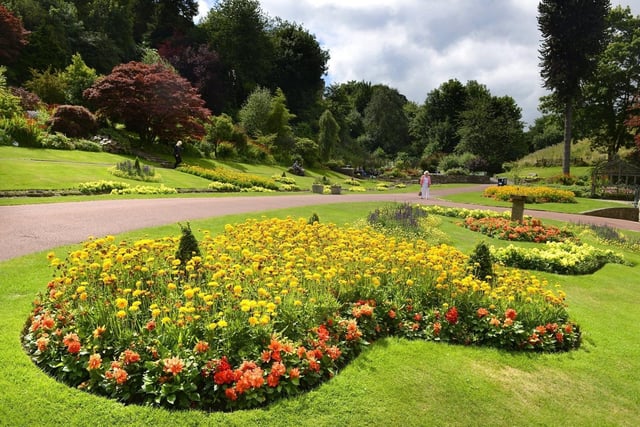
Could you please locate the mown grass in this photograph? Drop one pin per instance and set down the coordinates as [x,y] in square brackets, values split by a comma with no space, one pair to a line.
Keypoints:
[395,382]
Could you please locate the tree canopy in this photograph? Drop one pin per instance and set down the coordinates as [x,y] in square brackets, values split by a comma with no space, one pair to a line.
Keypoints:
[151,100]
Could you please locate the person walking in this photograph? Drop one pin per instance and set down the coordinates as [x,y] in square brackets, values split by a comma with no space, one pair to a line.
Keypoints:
[425,183]
[177,153]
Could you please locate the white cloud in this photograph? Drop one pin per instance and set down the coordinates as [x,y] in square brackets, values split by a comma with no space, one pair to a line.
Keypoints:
[416,45]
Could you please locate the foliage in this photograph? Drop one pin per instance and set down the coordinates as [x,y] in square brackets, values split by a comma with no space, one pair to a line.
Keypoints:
[614,237]
[74,121]
[13,36]
[77,78]
[135,170]
[223,187]
[145,189]
[537,194]
[529,230]
[22,130]
[9,103]
[57,141]
[219,129]
[48,85]
[188,246]
[481,262]
[386,124]
[564,257]
[150,100]
[101,187]
[237,327]
[572,37]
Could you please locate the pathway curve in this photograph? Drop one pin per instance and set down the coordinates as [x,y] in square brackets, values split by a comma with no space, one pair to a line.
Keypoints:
[26,229]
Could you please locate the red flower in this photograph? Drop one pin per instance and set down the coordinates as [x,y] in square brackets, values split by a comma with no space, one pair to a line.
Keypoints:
[130,357]
[452,315]
[231,394]
[392,314]
[510,314]
[201,347]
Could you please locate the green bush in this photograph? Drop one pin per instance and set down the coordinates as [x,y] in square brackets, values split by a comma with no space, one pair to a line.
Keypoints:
[57,141]
[226,150]
[22,130]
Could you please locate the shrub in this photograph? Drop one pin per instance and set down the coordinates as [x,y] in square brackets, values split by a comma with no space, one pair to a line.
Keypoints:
[135,170]
[101,187]
[74,121]
[57,141]
[86,145]
[226,150]
[481,262]
[22,130]
[188,247]
[28,100]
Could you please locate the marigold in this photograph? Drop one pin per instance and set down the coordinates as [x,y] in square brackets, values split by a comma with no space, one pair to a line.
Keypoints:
[201,347]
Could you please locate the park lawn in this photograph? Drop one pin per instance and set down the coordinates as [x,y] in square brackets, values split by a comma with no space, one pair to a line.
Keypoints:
[395,382]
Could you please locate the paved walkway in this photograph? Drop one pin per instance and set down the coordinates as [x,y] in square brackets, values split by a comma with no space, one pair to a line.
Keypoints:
[26,229]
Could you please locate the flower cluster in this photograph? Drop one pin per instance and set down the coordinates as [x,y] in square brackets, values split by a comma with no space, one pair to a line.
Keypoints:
[557,257]
[465,213]
[270,308]
[145,189]
[102,187]
[528,230]
[536,194]
[241,180]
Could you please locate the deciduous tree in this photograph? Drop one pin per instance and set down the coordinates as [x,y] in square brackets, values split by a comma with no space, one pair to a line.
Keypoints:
[13,36]
[151,100]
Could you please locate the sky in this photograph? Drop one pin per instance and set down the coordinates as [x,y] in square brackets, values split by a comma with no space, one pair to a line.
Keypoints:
[416,45]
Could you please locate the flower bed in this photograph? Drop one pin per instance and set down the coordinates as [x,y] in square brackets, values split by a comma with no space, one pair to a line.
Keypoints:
[241,180]
[531,194]
[529,230]
[270,309]
[557,257]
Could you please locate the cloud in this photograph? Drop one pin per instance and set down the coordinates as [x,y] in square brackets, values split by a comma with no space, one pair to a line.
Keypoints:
[416,45]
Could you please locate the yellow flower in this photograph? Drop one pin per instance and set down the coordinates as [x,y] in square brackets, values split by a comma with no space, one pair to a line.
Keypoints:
[223,323]
[121,314]
[121,303]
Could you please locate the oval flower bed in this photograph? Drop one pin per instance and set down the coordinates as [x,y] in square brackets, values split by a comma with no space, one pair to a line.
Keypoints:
[270,309]
[529,230]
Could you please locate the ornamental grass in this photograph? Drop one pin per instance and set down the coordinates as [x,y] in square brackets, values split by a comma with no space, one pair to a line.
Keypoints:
[269,309]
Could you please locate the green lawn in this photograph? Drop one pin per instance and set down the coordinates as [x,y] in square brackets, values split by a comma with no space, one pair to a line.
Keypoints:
[395,382]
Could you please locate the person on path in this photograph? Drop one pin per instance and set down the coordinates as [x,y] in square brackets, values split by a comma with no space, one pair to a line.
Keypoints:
[177,153]
[425,183]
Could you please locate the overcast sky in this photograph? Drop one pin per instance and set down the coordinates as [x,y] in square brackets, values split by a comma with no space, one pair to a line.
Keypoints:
[416,45]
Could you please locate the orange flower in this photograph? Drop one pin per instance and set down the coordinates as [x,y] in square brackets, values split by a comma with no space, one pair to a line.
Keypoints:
[201,347]
[333,352]
[173,365]
[42,343]
[437,327]
[510,314]
[494,321]
[130,357]
[120,376]
[97,332]
[95,361]
[294,373]
[482,312]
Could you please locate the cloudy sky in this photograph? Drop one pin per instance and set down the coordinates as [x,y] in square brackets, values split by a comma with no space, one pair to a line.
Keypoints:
[416,45]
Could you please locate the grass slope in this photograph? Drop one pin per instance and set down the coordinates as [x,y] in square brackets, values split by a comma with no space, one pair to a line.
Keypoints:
[395,382]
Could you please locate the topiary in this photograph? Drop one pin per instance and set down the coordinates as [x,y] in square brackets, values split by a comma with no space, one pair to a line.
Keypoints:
[314,218]
[481,262]
[188,247]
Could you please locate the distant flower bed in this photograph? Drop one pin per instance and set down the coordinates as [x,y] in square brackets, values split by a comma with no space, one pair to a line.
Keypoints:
[269,309]
[529,230]
[532,194]
[102,187]
[557,257]
[146,189]
[135,170]
[242,180]
[464,212]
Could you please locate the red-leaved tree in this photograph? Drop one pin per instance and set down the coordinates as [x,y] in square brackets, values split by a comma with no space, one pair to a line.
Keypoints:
[13,36]
[150,100]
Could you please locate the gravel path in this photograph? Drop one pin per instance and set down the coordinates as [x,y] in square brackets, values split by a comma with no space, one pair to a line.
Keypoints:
[26,229]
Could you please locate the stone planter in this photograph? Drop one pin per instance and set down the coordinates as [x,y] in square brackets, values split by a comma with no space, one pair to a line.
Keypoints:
[317,188]
[336,189]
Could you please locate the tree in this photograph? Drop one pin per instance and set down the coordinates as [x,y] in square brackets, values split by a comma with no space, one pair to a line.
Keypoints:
[77,77]
[219,128]
[13,36]
[329,134]
[298,67]
[385,122]
[572,37]
[238,31]
[436,123]
[151,100]
[254,114]
[491,128]
[608,94]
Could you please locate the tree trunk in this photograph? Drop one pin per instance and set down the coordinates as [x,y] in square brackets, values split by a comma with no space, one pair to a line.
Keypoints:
[568,118]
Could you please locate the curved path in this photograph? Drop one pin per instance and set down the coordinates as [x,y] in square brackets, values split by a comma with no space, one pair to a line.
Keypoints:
[31,228]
